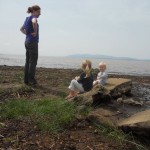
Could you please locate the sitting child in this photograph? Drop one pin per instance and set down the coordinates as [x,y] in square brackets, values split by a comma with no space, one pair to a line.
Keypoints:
[82,83]
[102,75]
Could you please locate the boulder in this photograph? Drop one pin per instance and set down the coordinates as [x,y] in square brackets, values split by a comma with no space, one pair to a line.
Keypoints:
[138,123]
[119,87]
[103,116]
[98,94]
[115,87]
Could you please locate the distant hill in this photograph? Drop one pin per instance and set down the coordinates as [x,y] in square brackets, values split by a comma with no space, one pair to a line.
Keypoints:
[99,57]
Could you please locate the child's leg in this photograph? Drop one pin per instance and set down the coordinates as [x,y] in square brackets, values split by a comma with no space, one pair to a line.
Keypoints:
[74,87]
[71,94]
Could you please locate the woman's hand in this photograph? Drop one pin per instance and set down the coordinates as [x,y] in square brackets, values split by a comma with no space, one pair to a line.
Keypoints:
[22,29]
[33,34]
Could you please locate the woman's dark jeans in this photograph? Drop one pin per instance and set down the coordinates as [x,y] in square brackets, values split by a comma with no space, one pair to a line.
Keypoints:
[31,62]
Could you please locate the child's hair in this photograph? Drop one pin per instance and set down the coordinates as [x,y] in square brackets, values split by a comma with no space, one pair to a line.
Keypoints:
[86,66]
[102,64]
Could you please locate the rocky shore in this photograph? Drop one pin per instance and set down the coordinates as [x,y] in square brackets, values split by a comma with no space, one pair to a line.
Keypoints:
[54,82]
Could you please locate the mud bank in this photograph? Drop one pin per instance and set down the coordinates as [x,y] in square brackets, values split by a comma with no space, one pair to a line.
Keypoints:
[80,134]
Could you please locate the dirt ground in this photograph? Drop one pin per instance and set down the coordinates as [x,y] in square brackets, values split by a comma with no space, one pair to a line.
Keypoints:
[80,135]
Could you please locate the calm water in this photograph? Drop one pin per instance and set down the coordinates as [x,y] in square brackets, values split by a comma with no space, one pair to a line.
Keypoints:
[132,67]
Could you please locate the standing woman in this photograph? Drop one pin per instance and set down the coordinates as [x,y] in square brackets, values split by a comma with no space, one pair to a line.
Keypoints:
[31,29]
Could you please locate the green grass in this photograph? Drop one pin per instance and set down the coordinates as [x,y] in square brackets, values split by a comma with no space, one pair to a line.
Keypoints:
[50,115]
[15,109]
[118,135]
[111,131]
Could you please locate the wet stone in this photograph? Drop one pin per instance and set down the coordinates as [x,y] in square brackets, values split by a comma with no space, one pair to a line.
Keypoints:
[141,91]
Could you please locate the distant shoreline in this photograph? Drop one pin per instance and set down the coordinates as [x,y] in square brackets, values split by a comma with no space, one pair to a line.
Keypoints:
[121,67]
[87,56]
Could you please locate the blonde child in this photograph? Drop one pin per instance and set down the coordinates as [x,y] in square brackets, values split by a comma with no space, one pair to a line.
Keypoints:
[82,83]
[102,75]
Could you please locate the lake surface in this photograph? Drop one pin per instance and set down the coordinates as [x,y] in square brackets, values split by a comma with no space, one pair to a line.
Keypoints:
[131,67]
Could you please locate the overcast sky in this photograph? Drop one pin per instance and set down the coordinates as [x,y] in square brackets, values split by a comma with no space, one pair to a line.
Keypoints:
[106,27]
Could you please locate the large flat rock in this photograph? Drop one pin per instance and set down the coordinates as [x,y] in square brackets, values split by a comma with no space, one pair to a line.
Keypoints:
[140,117]
[113,83]
[114,88]
[138,123]
[103,116]
[118,86]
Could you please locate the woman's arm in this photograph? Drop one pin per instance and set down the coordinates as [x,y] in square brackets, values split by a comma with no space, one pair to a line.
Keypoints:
[34,24]
[22,29]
